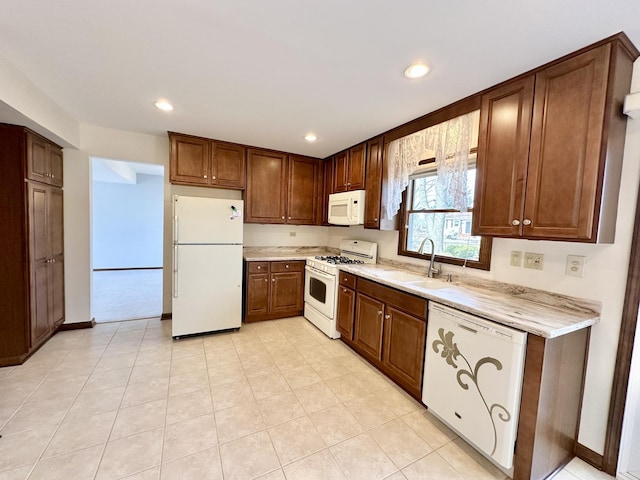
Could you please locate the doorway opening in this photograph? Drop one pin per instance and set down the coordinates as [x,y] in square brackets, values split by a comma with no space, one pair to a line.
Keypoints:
[127,210]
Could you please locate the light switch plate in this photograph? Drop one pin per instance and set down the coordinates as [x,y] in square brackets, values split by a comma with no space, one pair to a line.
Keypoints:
[575,265]
[533,260]
[515,259]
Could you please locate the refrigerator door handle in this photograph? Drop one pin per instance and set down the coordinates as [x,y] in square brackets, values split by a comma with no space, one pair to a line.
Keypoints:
[175,271]
[175,229]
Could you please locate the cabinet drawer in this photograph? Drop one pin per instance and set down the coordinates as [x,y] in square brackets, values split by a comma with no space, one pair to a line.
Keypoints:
[258,267]
[295,266]
[347,280]
[403,301]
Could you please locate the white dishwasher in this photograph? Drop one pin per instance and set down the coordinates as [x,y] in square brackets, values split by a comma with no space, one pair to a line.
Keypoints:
[473,379]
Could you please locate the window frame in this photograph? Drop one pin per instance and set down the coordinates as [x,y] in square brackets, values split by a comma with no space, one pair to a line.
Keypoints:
[484,255]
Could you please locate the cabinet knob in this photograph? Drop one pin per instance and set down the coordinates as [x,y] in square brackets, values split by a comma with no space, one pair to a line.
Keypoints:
[387,316]
[204,176]
[375,219]
[286,266]
[344,290]
[515,223]
[526,221]
[266,279]
[379,312]
[289,218]
[283,217]
[53,176]
[259,267]
[273,279]
[213,177]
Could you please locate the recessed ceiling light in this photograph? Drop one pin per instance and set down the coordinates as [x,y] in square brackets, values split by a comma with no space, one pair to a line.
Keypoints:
[164,105]
[417,70]
[310,137]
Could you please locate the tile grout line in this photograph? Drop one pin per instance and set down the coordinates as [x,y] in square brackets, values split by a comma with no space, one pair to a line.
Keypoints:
[106,444]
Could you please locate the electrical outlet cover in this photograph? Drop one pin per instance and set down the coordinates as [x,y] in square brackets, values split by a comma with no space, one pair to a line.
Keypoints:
[575,265]
[516,258]
[533,260]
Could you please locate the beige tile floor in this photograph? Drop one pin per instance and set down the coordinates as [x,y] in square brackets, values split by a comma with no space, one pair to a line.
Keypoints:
[276,400]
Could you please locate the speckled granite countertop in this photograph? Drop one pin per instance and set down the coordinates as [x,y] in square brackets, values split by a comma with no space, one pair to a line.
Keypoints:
[542,313]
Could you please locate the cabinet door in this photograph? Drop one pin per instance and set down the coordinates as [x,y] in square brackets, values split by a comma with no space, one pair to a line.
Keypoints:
[345,312]
[257,294]
[355,172]
[503,153]
[327,189]
[189,160]
[56,266]
[266,193]
[368,327]
[404,341]
[228,165]
[286,292]
[37,159]
[566,141]
[373,185]
[39,262]
[55,164]
[340,172]
[302,198]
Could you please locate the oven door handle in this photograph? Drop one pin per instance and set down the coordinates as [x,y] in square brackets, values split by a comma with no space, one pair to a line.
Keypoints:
[319,273]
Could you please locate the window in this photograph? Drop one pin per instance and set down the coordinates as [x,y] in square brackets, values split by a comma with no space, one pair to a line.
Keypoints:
[424,214]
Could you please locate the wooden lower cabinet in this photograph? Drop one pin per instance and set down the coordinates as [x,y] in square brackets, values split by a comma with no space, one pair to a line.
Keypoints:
[386,326]
[369,325]
[273,290]
[345,312]
[404,342]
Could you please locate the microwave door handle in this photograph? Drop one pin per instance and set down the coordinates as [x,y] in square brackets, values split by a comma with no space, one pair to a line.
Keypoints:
[349,209]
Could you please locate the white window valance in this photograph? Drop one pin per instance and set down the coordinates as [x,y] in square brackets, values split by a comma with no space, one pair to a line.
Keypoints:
[449,142]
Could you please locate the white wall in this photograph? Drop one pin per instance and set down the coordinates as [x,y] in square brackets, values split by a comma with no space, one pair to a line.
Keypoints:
[127,226]
[285,236]
[22,103]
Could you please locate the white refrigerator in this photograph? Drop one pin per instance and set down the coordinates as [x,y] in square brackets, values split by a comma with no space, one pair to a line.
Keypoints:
[207,265]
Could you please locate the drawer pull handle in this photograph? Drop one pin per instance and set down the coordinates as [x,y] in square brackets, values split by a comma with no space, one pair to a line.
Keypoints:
[526,221]
[387,316]
[515,223]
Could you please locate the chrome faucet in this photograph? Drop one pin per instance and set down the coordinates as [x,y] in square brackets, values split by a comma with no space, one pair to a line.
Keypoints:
[431,270]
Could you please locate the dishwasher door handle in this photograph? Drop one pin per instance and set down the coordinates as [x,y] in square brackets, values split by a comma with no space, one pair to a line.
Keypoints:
[468,329]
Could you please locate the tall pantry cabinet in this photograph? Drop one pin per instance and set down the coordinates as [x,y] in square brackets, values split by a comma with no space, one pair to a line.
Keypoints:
[32,253]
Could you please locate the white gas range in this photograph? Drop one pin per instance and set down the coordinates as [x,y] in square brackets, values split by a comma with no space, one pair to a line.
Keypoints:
[321,282]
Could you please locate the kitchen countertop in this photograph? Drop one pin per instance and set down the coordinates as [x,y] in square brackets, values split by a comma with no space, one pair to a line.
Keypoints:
[538,312]
[271,254]
[534,311]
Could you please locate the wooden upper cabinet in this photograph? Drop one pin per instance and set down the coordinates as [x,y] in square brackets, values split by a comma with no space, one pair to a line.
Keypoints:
[340,172]
[566,138]
[228,165]
[373,186]
[205,162]
[355,171]
[266,193]
[189,159]
[550,149]
[55,166]
[44,160]
[303,199]
[503,154]
[348,169]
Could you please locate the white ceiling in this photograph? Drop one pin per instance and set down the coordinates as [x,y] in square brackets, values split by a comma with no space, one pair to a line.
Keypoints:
[267,72]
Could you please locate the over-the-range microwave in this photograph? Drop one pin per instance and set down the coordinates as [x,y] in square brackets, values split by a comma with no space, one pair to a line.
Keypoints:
[346,208]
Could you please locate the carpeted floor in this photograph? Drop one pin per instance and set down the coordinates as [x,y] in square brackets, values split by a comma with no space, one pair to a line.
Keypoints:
[126,294]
